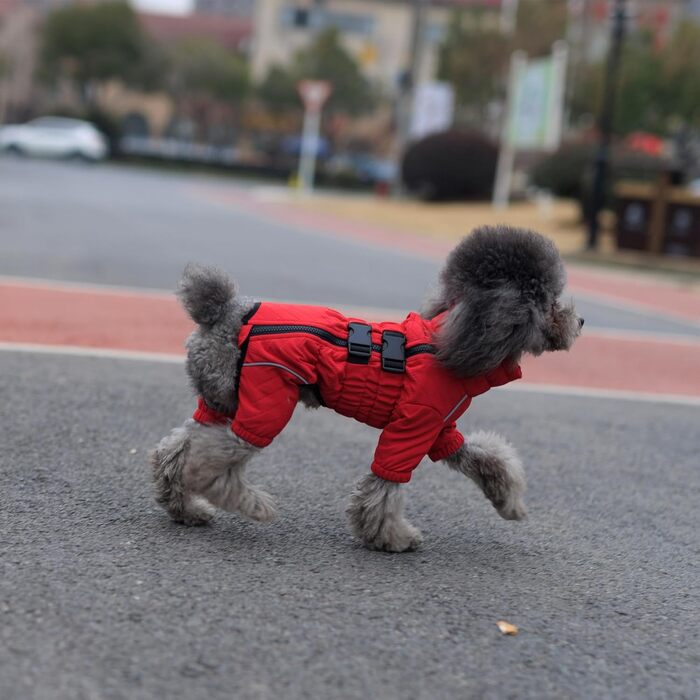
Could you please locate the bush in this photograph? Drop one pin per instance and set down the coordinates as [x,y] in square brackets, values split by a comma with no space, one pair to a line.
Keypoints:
[563,172]
[450,165]
[108,125]
[568,172]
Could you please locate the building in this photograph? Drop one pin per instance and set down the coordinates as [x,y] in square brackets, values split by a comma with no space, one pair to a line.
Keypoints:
[18,57]
[376,32]
[232,8]
[232,33]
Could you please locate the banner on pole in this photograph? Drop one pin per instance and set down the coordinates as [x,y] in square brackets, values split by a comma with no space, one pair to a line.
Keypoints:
[537,107]
[433,109]
[534,112]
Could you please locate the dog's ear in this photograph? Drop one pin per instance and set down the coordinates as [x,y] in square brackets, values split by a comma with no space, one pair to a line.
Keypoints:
[483,330]
[434,303]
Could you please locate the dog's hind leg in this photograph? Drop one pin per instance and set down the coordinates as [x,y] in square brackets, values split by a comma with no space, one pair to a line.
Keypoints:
[168,462]
[376,516]
[215,471]
[199,467]
[494,466]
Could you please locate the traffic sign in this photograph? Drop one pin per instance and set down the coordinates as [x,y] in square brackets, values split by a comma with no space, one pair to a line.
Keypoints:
[314,93]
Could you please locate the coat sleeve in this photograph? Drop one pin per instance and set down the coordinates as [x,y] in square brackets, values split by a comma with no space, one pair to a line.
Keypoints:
[405,441]
[448,442]
[267,397]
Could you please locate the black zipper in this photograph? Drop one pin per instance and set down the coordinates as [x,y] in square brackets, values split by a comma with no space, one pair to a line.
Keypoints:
[425,348]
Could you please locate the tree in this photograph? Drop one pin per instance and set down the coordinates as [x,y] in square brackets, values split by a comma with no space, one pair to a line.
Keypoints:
[207,83]
[658,90]
[680,66]
[474,60]
[200,67]
[278,91]
[4,71]
[475,55]
[324,59]
[539,25]
[89,44]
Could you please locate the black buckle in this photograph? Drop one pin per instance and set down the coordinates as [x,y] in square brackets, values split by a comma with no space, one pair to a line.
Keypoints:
[393,353]
[359,343]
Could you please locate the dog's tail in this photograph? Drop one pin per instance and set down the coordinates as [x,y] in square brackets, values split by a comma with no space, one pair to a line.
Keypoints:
[206,293]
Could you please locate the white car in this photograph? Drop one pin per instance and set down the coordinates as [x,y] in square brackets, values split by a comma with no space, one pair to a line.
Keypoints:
[54,137]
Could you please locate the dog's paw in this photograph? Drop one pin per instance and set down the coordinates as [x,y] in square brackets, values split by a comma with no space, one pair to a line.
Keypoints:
[197,512]
[400,537]
[258,505]
[513,510]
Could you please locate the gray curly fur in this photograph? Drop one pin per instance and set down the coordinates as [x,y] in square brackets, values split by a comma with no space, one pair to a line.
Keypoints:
[211,300]
[494,466]
[199,467]
[500,287]
[376,516]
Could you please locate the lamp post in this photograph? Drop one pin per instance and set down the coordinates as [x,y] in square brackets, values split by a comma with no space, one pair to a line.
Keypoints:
[407,86]
[602,161]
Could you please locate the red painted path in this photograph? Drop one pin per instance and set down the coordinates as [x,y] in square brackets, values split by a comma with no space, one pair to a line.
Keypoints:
[139,321]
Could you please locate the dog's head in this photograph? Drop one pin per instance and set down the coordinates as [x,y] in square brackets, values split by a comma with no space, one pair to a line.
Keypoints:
[500,288]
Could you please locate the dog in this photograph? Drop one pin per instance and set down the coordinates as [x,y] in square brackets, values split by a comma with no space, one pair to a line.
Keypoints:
[250,363]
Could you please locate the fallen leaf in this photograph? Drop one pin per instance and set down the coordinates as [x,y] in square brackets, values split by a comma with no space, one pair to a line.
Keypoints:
[507,628]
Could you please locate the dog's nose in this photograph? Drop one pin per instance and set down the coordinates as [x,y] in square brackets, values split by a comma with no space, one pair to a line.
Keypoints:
[580,323]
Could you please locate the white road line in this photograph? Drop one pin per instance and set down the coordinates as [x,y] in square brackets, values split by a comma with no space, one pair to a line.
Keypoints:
[597,393]
[92,288]
[81,351]
[557,389]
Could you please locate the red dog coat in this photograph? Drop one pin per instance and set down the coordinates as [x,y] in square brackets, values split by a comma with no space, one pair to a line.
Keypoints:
[403,390]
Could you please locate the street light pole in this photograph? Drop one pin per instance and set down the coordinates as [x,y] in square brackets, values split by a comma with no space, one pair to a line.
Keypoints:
[602,160]
[407,86]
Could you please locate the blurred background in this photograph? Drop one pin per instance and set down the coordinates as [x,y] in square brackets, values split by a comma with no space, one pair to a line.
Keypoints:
[333,152]
[419,100]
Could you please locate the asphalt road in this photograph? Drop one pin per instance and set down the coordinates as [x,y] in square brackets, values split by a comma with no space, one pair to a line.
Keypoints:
[124,226]
[131,227]
[102,597]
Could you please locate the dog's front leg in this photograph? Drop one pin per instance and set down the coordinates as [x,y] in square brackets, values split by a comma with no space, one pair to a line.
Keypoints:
[376,516]
[494,466]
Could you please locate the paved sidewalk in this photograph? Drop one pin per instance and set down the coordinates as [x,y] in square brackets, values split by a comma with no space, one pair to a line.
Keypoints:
[90,317]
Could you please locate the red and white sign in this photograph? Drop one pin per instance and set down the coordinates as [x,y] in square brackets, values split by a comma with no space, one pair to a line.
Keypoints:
[314,93]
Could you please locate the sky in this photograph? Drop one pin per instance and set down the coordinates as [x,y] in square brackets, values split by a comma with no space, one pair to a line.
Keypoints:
[170,6]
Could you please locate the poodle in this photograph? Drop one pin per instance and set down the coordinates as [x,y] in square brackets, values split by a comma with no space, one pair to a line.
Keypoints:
[250,363]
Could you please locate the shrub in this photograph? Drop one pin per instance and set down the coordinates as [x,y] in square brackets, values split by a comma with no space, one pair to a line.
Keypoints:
[563,172]
[568,172]
[108,125]
[450,165]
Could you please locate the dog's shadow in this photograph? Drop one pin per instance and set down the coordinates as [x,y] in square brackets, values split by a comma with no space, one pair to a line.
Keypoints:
[289,540]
